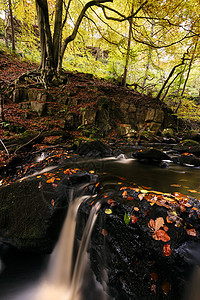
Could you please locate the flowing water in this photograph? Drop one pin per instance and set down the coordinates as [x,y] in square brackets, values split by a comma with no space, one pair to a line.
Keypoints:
[25,278]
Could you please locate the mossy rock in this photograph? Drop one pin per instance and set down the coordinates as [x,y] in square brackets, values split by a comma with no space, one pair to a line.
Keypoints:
[190,143]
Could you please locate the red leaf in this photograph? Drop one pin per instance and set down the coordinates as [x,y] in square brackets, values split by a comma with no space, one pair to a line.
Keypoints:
[167,250]
[134,219]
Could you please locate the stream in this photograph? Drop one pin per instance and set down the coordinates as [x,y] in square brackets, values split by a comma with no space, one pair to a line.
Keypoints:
[21,273]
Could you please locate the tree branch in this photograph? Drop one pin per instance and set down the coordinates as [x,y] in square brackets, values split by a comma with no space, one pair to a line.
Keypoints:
[78,22]
[124,18]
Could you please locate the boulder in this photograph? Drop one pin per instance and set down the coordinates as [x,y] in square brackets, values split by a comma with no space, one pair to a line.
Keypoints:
[151,155]
[187,159]
[95,149]
[32,211]
[143,243]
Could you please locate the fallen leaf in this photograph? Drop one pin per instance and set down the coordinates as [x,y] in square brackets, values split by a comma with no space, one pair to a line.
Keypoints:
[154,277]
[104,232]
[130,198]
[192,191]
[166,287]
[136,208]
[161,235]
[52,202]
[153,288]
[141,197]
[133,219]
[108,211]
[124,194]
[191,232]
[51,180]
[167,250]
[159,222]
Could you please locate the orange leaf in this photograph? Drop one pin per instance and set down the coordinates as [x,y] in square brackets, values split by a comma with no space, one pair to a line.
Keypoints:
[165,228]
[168,220]
[136,208]
[141,196]
[104,232]
[167,250]
[151,224]
[130,198]
[159,222]
[161,235]
[124,194]
[52,202]
[52,179]
[191,232]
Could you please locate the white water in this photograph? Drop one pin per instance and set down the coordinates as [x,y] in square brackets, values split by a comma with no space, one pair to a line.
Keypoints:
[61,282]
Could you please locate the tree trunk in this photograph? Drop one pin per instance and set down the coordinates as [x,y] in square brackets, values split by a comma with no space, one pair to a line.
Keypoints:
[57,37]
[12,25]
[6,29]
[148,60]
[128,51]
[47,57]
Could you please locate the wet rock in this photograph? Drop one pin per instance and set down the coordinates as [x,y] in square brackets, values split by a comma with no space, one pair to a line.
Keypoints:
[187,159]
[137,249]
[95,149]
[168,132]
[151,155]
[32,211]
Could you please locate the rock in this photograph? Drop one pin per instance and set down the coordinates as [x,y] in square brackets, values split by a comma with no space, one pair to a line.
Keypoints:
[39,107]
[187,149]
[19,94]
[151,155]
[187,159]
[144,247]
[32,211]
[123,129]
[168,132]
[88,116]
[190,143]
[95,149]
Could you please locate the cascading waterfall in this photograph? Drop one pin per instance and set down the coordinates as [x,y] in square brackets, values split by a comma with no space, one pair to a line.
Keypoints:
[62,281]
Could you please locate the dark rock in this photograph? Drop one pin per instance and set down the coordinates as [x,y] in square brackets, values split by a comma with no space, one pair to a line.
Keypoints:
[95,149]
[123,248]
[188,159]
[32,211]
[151,156]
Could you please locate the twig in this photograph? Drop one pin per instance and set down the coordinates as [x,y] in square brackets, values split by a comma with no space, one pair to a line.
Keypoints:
[28,142]
[5,147]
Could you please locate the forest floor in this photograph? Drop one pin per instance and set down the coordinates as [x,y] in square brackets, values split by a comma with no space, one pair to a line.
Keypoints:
[16,125]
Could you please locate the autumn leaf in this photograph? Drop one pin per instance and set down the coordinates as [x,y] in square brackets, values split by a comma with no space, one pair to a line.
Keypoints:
[130,198]
[124,194]
[167,250]
[191,232]
[51,180]
[159,222]
[104,232]
[161,235]
[133,219]
[154,276]
[108,211]
[166,287]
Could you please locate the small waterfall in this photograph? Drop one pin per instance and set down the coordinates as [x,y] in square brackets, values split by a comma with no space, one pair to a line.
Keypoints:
[63,282]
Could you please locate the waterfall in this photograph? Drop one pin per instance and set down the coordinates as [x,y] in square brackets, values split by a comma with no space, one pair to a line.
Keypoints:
[62,281]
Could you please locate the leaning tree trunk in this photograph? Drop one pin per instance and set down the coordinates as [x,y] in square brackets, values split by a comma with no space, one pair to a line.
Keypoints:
[12,25]
[57,36]
[128,51]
